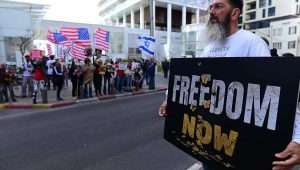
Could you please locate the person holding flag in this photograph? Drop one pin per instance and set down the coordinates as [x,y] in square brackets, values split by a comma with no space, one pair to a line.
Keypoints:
[147,47]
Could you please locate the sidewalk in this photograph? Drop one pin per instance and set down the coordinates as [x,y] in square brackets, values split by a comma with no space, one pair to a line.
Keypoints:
[26,103]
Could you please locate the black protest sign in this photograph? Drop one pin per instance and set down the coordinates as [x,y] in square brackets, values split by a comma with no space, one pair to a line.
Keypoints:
[232,113]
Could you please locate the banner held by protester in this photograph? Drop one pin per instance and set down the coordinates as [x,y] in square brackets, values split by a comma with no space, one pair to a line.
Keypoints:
[232,113]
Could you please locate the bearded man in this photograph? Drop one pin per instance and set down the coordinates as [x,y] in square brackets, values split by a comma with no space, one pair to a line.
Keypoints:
[225,39]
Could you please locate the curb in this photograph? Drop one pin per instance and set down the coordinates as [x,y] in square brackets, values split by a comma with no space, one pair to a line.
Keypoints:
[2,106]
[107,97]
[36,106]
[72,102]
[86,100]
[66,103]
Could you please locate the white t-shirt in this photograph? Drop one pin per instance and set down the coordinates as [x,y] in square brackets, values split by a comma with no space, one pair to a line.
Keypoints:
[50,65]
[240,44]
[28,68]
[246,44]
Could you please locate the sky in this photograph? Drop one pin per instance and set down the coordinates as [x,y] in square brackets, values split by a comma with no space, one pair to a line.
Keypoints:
[70,10]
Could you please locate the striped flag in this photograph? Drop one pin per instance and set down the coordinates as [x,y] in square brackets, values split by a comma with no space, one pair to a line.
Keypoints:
[78,52]
[70,33]
[79,36]
[102,39]
[50,37]
[67,43]
[147,44]
[49,49]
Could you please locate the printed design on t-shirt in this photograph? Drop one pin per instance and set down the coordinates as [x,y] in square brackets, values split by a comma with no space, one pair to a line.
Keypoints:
[218,52]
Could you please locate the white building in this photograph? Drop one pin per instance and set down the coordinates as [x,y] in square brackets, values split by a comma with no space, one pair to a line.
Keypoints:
[17,20]
[170,18]
[259,14]
[285,36]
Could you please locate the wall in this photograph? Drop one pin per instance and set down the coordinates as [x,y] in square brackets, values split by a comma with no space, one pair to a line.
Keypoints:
[14,23]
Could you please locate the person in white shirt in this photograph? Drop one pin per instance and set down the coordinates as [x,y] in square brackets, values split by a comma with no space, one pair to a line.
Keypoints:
[27,77]
[50,72]
[226,40]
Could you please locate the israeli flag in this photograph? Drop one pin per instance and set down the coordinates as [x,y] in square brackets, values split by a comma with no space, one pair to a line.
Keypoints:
[147,44]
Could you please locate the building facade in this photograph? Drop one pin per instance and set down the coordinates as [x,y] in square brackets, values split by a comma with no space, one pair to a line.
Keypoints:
[259,14]
[170,18]
[18,20]
[285,36]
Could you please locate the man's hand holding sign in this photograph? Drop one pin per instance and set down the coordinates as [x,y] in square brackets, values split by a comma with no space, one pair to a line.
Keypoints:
[228,112]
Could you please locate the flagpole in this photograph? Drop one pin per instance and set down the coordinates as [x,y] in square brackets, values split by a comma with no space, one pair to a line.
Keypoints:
[94,47]
[56,45]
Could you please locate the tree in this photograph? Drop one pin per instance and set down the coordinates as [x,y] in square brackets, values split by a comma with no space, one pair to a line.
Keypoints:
[25,43]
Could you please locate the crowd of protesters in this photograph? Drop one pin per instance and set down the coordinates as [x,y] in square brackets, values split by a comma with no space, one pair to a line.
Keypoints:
[92,77]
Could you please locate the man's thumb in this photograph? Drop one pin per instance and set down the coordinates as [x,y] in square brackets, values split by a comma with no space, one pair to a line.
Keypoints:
[283,154]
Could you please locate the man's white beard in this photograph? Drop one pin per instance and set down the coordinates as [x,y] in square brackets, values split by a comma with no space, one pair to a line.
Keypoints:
[215,32]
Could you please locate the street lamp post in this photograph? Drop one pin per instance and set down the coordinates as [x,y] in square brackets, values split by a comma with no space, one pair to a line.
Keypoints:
[151,4]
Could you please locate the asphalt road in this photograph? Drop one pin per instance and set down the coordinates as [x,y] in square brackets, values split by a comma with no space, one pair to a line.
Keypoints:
[122,134]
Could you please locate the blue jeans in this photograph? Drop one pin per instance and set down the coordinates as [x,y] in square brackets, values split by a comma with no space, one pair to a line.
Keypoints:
[129,82]
[88,90]
[151,82]
[119,83]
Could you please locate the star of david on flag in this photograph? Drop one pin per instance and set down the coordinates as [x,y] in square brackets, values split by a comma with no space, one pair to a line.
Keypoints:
[147,44]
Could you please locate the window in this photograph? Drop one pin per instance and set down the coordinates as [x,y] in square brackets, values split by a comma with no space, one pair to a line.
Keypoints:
[264,13]
[271,12]
[10,48]
[279,31]
[293,30]
[291,44]
[270,2]
[274,32]
[277,45]
[116,39]
[297,9]
[262,3]
[251,16]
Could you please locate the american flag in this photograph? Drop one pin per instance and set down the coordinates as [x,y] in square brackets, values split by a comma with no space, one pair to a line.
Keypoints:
[78,52]
[67,43]
[59,38]
[102,39]
[50,36]
[70,33]
[49,49]
[77,35]
[84,38]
